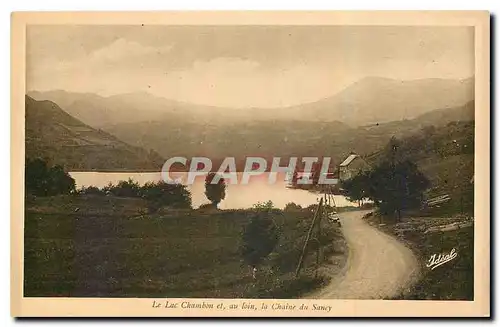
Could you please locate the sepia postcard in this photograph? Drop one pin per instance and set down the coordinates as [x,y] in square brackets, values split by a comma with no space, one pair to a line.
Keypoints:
[250,164]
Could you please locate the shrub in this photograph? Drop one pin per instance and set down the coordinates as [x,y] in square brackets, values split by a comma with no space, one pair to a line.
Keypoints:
[161,194]
[215,192]
[206,206]
[158,194]
[269,205]
[42,180]
[91,190]
[128,188]
[292,207]
[259,238]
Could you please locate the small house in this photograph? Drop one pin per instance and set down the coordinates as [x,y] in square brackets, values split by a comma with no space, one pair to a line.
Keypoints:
[352,166]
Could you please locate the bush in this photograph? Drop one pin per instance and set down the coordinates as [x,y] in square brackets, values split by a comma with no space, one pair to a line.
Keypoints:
[292,207]
[287,260]
[128,188]
[91,190]
[206,207]
[161,194]
[42,180]
[259,238]
[158,194]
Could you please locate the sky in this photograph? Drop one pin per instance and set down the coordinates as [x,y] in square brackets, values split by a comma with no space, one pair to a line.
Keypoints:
[239,66]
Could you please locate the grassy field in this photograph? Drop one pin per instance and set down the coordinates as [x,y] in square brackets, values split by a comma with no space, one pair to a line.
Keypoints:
[105,246]
[453,280]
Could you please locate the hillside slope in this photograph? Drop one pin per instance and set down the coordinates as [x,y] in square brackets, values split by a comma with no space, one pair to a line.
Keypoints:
[240,140]
[53,134]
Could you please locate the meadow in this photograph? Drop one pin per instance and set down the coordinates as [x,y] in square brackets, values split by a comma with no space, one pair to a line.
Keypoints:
[106,246]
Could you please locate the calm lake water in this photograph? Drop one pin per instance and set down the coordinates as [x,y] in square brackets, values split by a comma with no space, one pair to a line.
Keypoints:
[237,196]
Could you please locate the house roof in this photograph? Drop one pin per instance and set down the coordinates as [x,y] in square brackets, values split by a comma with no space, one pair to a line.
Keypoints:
[348,160]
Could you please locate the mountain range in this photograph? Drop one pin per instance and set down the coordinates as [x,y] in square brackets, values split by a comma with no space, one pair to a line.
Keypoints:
[370,100]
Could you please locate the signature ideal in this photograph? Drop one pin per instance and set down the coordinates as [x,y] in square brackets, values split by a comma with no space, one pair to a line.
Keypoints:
[437,260]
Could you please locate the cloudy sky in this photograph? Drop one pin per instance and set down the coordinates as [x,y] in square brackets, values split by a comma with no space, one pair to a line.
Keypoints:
[240,66]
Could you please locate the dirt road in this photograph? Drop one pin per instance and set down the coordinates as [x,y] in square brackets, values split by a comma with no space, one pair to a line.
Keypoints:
[378,265]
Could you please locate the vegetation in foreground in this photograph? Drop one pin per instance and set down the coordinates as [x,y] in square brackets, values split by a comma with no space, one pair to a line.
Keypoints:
[128,240]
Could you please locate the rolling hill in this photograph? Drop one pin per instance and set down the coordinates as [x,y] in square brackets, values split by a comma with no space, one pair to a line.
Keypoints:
[377,100]
[53,134]
[369,100]
[277,138]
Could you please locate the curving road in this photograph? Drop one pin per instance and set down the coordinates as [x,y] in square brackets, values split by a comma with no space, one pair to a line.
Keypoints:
[378,266]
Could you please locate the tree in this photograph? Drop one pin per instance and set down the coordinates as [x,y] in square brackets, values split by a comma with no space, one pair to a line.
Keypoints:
[42,180]
[315,173]
[259,238]
[357,188]
[393,185]
[291,206]
[35,176]
[397,186]
[215,191]
[59,181]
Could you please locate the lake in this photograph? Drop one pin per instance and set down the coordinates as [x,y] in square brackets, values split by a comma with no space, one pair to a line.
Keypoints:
[238,196]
